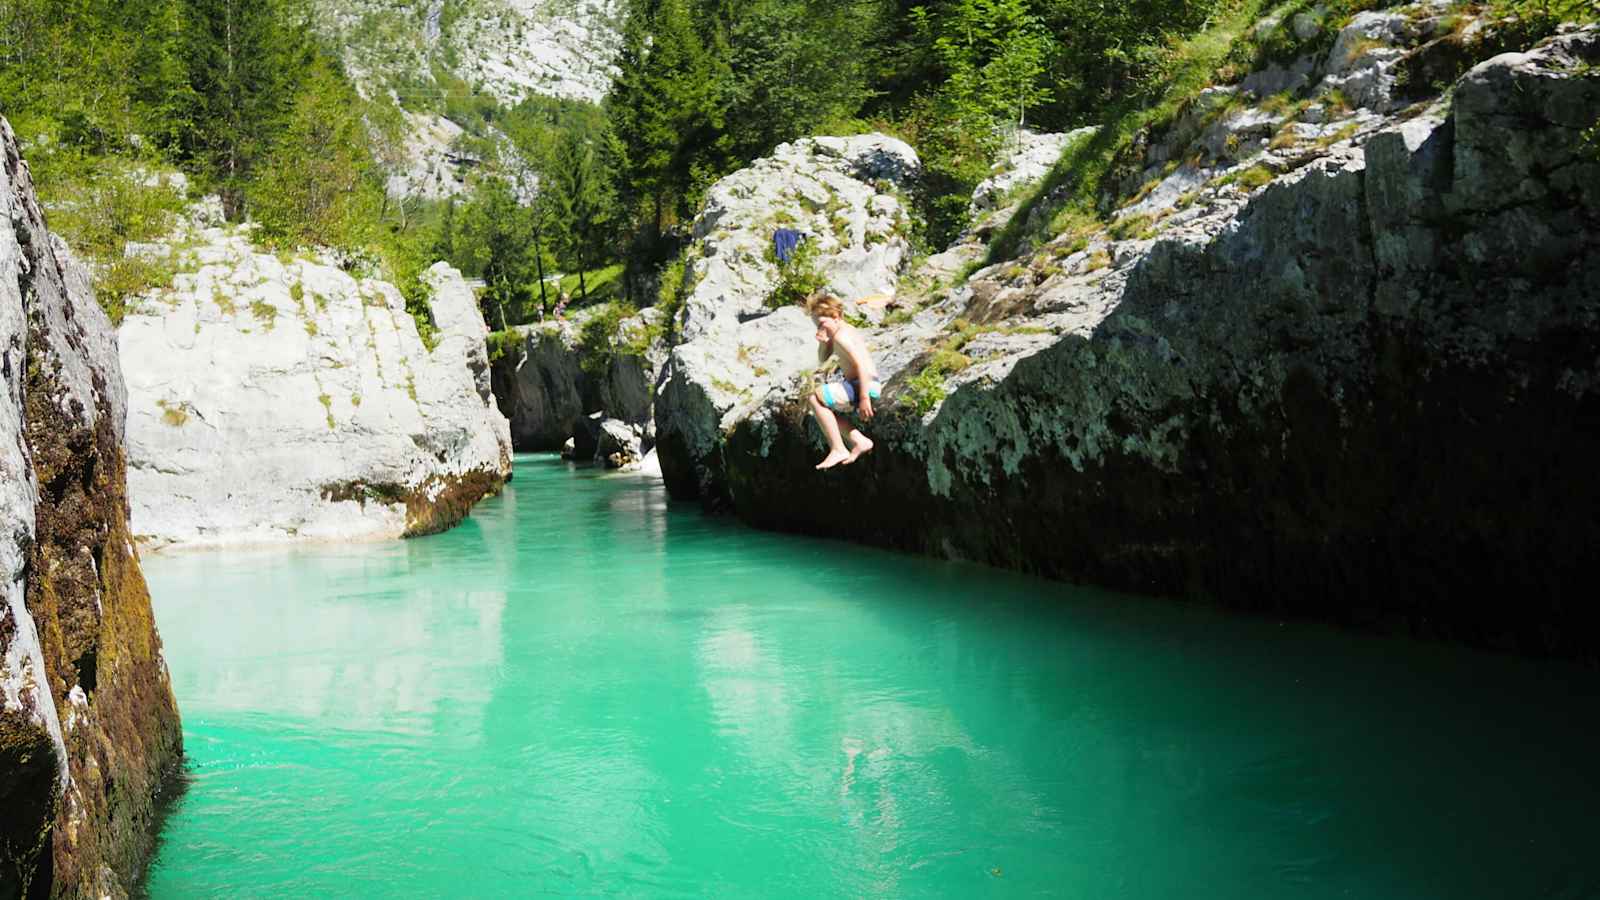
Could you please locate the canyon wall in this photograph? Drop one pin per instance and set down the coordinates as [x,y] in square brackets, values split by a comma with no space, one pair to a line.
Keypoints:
[88,726]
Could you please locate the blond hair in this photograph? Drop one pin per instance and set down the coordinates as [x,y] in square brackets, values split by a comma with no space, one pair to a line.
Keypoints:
[824,305]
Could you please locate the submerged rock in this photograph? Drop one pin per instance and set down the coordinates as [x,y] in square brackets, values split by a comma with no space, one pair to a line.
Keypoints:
[619,445]
[88,726]
[1363,387]
[274,400]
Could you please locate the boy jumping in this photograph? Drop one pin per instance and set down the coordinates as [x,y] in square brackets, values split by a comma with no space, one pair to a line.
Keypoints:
[858,388]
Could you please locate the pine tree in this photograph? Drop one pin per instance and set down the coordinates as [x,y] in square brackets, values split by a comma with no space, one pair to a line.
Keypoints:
[581,198]
[662,106]
[795,67]
[241,61]
[316,186]
[499,232]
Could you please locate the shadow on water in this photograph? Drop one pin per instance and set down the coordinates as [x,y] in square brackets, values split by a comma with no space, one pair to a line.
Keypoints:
[175,784]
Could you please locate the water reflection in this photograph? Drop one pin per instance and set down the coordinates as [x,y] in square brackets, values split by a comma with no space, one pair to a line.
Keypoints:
[314,641]
[583,691]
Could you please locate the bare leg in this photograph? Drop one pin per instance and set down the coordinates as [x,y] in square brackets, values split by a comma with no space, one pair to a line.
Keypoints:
[830,428]
[860,445]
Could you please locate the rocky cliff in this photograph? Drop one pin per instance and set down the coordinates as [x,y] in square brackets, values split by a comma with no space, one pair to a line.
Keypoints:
[274,399]
[433,60]
[1335,355]
[508,49]
[845,196]
[550,384]
[88,726]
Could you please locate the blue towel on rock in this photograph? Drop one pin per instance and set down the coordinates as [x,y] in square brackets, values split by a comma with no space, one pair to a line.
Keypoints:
[784,242]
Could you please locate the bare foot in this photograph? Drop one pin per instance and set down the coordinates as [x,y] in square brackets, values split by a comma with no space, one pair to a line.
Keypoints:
[860,445]
[833,459]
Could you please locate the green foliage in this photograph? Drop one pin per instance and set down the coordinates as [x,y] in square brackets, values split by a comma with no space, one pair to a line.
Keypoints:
[793,66]
[1525,22]
[603,338]
[662,106]
[926,389]
[243,58]
[673,292]
[505,345]
[265,313]
[604,284]
[581,202]
[500,237]
[119,281]
[174,415]
[99,206]
[1070,192]
[1250,178]
[706,85]
[319,185]
[404,261]
[993,53]
[798,278]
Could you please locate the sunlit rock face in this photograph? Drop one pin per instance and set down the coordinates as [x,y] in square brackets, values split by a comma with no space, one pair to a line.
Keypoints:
[509,49]
[846,195]
[433,60]
[548,382]
[275,400]
[1345,368]
[88,726]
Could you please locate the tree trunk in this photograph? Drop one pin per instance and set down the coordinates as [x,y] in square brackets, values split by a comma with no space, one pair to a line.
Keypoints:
[538,263]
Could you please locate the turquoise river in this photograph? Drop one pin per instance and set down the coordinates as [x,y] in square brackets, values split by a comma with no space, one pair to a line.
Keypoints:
[585,691]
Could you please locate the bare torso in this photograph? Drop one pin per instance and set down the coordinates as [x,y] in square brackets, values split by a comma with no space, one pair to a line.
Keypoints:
[847,346]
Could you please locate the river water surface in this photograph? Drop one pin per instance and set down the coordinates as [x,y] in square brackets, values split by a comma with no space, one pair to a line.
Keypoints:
[583,691]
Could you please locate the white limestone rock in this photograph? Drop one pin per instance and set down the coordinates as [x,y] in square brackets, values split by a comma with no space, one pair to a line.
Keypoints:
[544,390]
[24,683]
[429,169]
[508,49]
[273,401]
[514,48]
[80,660]
[1027,161]
[620,444]
[842,192]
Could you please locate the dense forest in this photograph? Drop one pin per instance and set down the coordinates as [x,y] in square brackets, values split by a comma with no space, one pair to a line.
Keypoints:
[239,96]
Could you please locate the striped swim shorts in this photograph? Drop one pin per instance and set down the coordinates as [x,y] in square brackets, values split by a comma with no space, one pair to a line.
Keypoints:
[842,394]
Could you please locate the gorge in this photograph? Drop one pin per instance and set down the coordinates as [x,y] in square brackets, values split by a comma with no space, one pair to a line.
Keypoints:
[1226,534]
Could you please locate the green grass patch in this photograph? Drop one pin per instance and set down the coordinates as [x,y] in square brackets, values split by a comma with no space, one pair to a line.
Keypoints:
[265,313]
[1249,179]
[505,345]
[798,278]
[175,415]
[603,338]
[926,389]
[1071,194]
[604,285]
